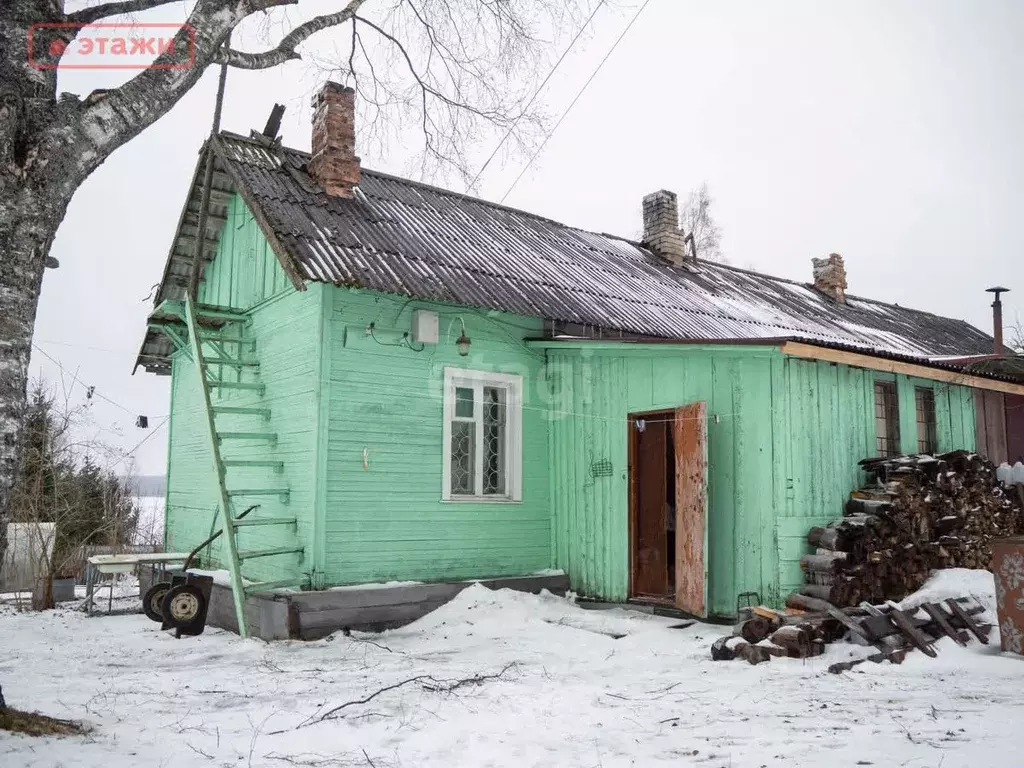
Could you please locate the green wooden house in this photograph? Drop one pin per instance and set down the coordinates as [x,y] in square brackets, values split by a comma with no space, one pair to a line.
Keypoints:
[415,385]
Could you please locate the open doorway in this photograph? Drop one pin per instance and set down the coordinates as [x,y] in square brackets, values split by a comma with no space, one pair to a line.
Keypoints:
[668,507]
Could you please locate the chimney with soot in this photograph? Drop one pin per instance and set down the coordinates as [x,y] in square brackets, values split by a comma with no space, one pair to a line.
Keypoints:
[830,277]
[335,166]
[661,226]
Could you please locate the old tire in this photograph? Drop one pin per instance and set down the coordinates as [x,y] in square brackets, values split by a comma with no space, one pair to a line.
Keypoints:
[183,606]
[152,601]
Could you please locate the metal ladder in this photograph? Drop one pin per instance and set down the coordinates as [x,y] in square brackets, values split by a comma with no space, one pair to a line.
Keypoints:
[233,352]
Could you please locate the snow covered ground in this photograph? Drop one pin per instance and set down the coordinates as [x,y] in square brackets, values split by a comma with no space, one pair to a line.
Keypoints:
[571,695]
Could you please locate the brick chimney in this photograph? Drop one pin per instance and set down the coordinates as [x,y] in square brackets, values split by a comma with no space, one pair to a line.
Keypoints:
[830,277]
[661,226]
[335,166]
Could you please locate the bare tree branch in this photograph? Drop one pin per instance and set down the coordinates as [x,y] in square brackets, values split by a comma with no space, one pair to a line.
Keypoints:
[104,10]
[285,50]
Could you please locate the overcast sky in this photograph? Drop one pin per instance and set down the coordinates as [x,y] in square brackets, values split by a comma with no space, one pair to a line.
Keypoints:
[886,131]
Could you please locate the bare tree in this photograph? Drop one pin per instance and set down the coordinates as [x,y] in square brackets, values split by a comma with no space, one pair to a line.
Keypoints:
[696,220]
[1015,338]
[67,496]
[452,68]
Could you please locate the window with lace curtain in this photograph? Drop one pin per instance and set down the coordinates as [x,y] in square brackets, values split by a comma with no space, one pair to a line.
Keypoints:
[482,447]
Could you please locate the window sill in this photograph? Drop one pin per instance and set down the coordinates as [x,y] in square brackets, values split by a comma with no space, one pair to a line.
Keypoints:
[481,500]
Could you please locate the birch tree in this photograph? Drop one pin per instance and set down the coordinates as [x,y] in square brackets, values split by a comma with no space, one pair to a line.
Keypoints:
[696,220]
[450,68]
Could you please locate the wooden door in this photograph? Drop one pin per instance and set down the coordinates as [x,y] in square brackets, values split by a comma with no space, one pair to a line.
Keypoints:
[650,566]
[690,435]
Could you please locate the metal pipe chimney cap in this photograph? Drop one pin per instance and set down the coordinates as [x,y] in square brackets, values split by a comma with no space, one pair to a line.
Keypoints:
[997,290]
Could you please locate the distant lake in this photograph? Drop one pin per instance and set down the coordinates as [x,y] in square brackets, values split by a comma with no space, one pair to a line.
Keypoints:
[147,485]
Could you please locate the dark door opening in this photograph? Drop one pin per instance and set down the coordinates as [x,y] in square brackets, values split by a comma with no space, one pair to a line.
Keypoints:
[653,501]
[668,507]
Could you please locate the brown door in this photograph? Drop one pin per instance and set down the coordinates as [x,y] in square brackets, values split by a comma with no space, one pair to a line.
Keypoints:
[690,433]
[648,476]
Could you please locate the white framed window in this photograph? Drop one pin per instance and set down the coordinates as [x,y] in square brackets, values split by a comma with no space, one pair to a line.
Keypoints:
[483,421]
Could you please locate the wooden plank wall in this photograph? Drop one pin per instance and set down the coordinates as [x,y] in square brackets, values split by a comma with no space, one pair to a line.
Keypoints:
[990,421]
[1014,405]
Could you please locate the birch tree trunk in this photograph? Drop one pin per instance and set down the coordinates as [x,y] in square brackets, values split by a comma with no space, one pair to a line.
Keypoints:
[31,207]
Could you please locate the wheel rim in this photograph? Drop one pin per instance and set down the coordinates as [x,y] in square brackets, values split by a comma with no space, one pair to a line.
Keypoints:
[156,601]
[184,607]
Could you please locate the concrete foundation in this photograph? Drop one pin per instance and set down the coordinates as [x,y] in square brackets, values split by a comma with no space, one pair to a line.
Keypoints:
[312,615]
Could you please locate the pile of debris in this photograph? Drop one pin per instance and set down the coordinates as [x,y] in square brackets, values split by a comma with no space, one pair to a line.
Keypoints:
[764,633]
[920,513]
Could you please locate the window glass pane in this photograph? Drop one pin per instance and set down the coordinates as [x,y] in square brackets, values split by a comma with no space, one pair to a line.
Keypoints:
[463,403]
[924,399]
[463,450]
[887,425]
[495,436]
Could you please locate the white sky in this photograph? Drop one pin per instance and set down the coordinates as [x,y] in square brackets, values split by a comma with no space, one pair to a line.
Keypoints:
[886,131]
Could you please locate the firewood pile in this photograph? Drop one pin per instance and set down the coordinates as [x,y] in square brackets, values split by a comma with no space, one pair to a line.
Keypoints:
[920,513]
[764,633]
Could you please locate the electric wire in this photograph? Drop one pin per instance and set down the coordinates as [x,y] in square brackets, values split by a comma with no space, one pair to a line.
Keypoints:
[573,102]
[536,93]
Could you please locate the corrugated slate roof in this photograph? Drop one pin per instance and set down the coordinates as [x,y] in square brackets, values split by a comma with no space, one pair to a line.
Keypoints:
[408,238]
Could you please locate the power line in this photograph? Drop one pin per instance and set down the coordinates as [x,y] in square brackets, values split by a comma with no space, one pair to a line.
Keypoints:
[139,444]
[573,102]
[535,95]
[90,390]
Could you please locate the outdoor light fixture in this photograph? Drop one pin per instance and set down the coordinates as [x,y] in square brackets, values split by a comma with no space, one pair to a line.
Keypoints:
[462,343]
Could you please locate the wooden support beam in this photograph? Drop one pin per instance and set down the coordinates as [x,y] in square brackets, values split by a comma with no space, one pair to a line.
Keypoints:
[873,363]
[965,617]
[912,633]
[939,616]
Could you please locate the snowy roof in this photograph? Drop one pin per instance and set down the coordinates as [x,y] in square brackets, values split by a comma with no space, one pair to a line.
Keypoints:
[404,237]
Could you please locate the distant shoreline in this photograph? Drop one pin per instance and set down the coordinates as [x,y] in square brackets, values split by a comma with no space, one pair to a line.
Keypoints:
[153,486]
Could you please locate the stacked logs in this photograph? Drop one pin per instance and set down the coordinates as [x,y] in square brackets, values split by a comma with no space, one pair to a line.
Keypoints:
[919,514]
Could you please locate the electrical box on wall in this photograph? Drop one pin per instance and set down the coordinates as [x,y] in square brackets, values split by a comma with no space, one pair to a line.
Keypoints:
[424,326]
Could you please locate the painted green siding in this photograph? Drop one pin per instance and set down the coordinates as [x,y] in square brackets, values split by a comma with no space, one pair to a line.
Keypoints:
[825,425]
[284,324]
[784,440]
[386,520]
[594,388]
[246,270]
[360,422]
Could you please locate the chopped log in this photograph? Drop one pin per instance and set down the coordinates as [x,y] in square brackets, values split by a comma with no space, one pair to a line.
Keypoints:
[825,563]
[754,654]
[818,591]
[721,651]
[772,649]
[804,603]
[796,640]
[754,630]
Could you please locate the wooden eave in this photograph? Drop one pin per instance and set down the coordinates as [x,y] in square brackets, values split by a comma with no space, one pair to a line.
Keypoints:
[887,365]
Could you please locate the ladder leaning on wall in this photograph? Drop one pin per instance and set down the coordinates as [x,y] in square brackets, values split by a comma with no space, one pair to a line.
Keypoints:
[215,339]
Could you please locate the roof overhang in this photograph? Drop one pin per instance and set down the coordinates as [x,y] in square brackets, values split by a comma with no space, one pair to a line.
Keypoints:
[156,351]
[923,368]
